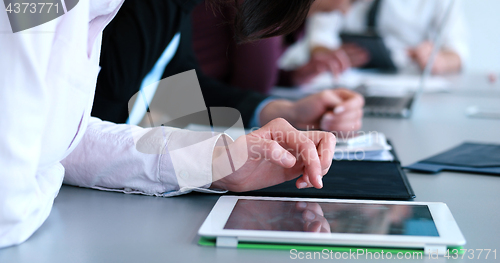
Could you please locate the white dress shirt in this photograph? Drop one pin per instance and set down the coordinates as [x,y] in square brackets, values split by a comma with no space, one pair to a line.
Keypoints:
[47,82]
[403,24]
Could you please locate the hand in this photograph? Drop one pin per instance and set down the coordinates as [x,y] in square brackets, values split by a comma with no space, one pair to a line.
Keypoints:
[286,216]
[445,62]
[358,56]
[337,59]
[312,69]
[272,155]
[342,6]
[313,216]
[339,110]
[331,61]
[421,55]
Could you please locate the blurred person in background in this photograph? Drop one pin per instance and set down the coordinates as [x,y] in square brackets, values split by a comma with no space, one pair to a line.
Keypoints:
[407,28]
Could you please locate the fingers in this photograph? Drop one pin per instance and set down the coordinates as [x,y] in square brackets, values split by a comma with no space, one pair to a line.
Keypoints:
[315,222]
[314,207]
[335,68]
[307,72]
[329,99]
[303,182]
[314,149]
[336,61]
[326,63]
[347,111]
[419,57]
[343,59]
[346,94]
[351,100]
[341,100]
[325,146]
[307,152]
[349,47]
[345,122]
[357,55]
[276,154]
[301,146]
[415,53]
[331,118]
[421,53]
[359,59]
[314,67]
[425,48]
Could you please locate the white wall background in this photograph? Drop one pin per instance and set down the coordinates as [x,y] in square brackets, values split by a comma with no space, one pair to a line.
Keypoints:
[483,22]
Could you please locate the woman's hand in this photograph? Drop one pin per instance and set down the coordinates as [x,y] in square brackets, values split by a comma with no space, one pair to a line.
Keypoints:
[358,56]
[338,110]
[446,61]
[332,61]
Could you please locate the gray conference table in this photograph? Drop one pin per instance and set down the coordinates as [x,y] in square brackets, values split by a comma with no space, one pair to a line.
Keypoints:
[94,226]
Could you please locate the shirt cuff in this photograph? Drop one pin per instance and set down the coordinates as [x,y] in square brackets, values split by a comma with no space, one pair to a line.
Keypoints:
[191,160]
[255,120]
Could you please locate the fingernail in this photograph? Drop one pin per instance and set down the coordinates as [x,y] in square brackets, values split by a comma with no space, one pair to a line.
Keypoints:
[320,182]
[302,185]
[339,109]
[326,121]
[309,215]
[301,204]
[328,117]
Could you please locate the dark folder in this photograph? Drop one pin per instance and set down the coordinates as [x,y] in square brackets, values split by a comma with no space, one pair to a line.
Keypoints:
[353,180]
[467,157]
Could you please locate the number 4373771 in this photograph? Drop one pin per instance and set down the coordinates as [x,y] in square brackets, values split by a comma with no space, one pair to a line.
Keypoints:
[24,8]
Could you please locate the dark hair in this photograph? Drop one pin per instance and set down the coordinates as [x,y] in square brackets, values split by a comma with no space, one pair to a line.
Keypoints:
[257,19]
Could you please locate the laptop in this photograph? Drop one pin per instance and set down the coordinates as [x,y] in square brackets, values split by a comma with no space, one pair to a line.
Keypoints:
[396,106]
[402,105]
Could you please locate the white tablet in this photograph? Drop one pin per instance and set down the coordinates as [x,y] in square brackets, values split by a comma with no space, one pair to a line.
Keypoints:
[305,221]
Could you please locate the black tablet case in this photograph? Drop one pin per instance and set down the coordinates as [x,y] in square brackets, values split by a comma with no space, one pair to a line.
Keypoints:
[352,180]
[479,158]
[380,55]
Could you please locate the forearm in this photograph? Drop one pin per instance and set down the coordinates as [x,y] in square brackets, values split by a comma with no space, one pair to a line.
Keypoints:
[277,109]
[130,159]
[319,49]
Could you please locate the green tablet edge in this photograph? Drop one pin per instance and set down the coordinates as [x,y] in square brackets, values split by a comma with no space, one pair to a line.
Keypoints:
[210,242]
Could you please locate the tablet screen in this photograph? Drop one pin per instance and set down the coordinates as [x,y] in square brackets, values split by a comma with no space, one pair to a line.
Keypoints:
[348,218]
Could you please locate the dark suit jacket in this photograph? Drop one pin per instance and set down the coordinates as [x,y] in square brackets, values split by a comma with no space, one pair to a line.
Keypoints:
[133,42]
